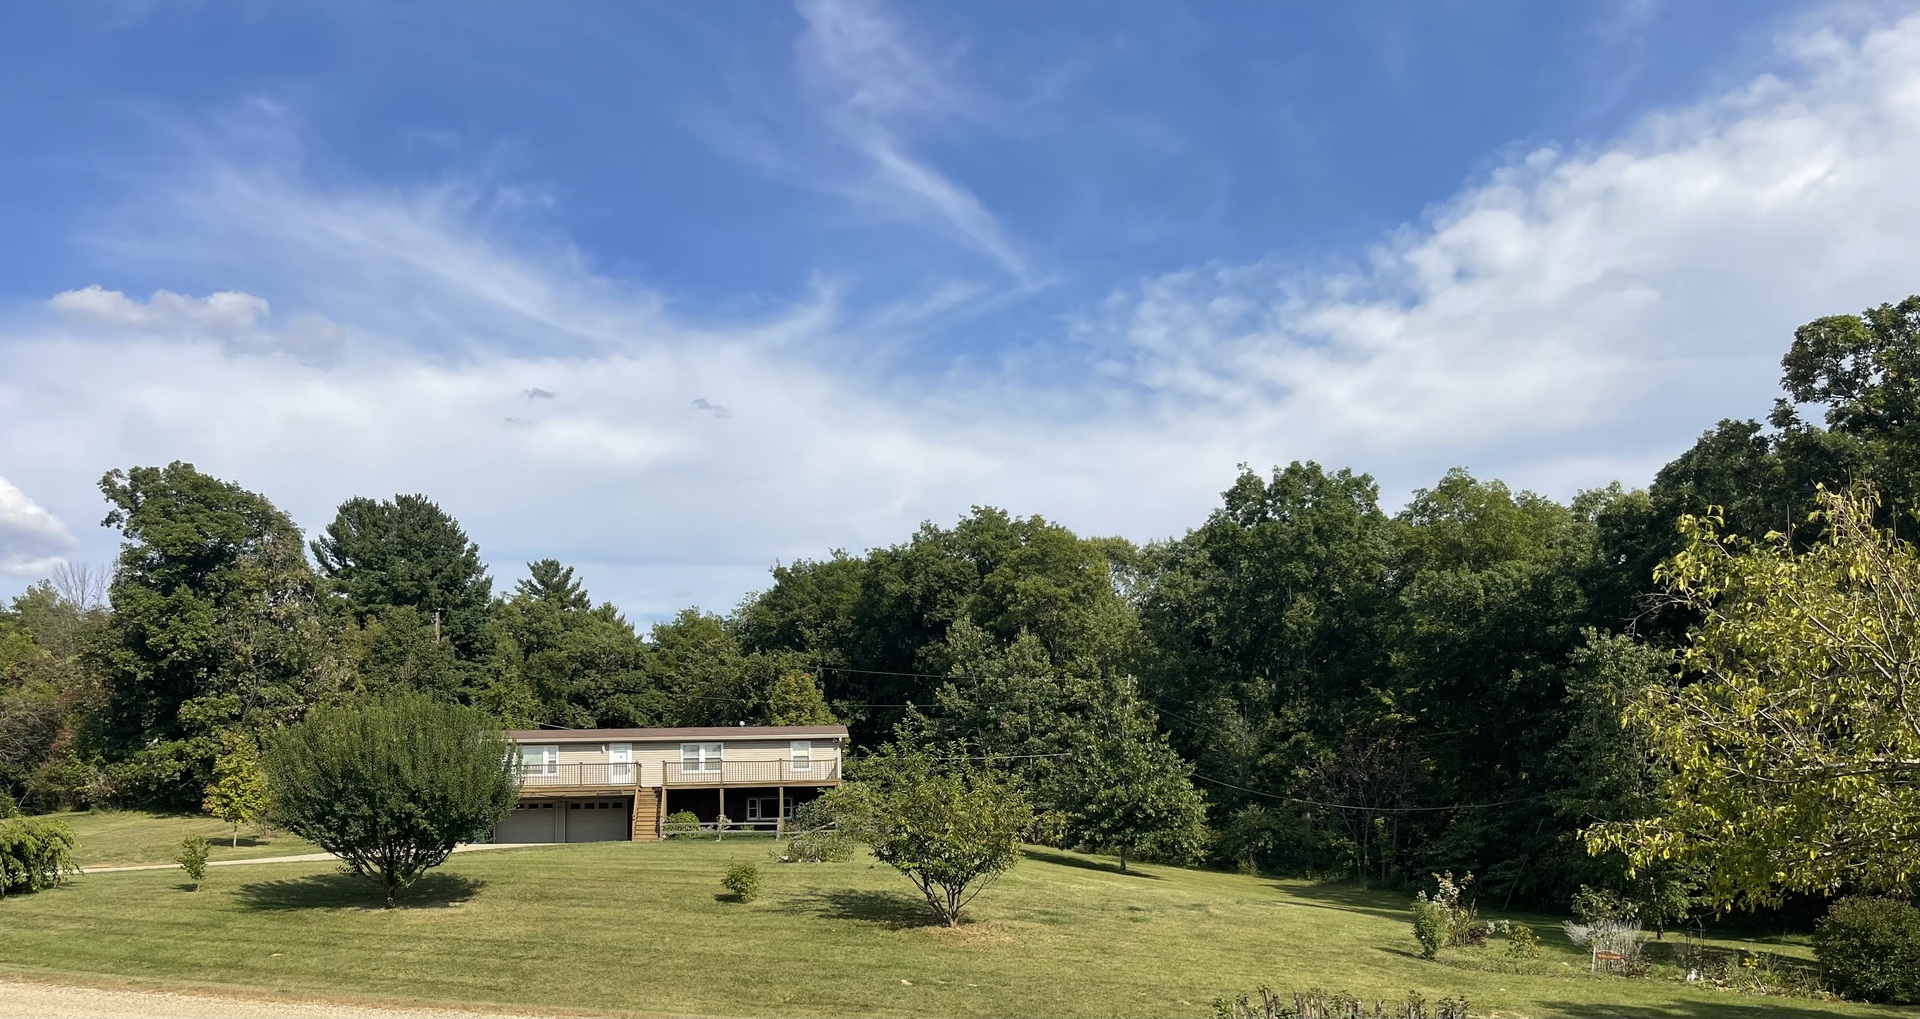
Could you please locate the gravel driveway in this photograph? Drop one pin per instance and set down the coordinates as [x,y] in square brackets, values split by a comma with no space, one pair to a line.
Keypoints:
[26,1000]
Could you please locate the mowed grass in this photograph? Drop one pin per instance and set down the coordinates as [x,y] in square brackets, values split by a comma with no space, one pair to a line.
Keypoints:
[643,928]
[131,837]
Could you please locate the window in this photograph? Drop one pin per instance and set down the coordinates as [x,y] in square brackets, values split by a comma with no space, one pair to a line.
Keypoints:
[539,760]
[762,808]
[700,756]
[802,751]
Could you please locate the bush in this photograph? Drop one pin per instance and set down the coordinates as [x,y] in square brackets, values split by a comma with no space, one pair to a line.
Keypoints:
[35,853]
[743,880]
[392,786]
[815,836]
[9,807]
[1869,948]
[193,859]
[1599,905]
[1430,926]
[1445,920]
[1522,942]
[1315,1003]
[682,824]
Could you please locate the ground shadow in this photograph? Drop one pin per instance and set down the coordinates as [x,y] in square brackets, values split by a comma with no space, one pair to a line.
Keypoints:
[1348,898]
[1064,860]
[347,891]
[884,909]
[1729,1008]
[244,842]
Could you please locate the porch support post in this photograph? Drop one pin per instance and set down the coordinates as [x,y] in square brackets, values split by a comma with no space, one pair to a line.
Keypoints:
[780,813]
[661,821]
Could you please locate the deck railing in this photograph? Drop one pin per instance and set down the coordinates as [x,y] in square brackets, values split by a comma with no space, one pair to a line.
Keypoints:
[679,773]
[750,773]
[602,774]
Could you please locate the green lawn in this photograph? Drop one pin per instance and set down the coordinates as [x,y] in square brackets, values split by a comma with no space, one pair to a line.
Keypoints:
[125,837]
[640,928]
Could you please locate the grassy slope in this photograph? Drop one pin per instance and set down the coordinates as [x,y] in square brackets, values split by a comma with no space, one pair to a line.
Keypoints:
[115,838]
[622,927]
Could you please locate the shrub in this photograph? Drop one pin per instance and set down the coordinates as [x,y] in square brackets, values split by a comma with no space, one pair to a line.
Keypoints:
[1430,925]
[1599,905]
[720,826]
[9,807]
[743,880]
[1522,942]
[1869,948]
[1618,936]
[392,786]
[35,853]
[815,836]
[1315,1003]
[193,859]
[682,824]
[1444,920]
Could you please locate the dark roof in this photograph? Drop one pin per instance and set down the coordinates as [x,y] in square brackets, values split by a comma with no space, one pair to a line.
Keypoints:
[697,732]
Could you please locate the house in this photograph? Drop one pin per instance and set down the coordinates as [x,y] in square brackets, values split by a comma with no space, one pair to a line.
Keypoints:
[600,785]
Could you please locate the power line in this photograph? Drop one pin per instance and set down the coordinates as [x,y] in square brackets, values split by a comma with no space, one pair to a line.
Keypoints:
[1376,810]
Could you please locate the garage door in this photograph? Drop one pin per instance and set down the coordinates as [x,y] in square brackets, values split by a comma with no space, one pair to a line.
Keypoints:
[531,821]
[598,820]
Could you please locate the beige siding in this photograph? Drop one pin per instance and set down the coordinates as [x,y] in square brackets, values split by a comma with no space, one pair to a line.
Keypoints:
[651,756]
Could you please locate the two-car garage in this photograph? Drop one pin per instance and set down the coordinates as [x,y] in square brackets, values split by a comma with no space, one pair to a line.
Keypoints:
[587,819]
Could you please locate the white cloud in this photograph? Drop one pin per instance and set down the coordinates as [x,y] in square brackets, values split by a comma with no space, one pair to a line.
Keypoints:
[31,538]
[873,88]
[1577,316]
[229,316]
[1596,296]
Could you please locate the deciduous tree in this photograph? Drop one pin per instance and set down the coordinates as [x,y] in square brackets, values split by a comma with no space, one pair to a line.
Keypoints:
[392,786]
[952,831]
[1793,757]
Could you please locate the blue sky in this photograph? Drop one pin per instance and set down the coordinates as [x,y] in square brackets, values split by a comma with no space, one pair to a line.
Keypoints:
[673,291]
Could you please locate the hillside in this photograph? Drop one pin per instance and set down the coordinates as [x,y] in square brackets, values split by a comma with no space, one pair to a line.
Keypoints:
[626,928]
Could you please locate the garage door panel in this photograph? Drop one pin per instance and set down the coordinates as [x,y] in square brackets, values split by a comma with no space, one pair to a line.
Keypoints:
[608,820]
[530,821]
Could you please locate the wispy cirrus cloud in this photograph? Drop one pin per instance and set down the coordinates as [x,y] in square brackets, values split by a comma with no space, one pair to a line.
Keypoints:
[867,90]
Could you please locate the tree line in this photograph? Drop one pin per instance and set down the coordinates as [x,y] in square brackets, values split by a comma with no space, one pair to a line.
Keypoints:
[1302,683]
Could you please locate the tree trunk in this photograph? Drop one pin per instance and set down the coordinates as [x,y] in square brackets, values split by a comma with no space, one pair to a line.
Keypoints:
[386,883]
[1123,857]
[236,835]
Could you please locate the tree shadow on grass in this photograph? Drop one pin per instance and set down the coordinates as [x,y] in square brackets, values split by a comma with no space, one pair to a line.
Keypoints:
[1064,860]
[885,909]
[1349,898]
[348,891]
[1730,1008]
[228,842]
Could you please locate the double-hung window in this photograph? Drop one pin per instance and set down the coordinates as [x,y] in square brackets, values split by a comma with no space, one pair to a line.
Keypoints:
[539,760]
[697,757]
[800,755]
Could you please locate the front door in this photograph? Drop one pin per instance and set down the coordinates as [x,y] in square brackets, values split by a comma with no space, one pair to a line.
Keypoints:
[621,757]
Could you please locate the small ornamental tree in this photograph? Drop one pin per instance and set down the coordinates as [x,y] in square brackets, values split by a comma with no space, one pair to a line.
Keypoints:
[238,792]
[952,833]
[1132,792]
[1792,761]
[392,786]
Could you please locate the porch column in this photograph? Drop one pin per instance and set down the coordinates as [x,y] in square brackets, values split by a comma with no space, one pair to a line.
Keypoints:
[780,814]
[661,821]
